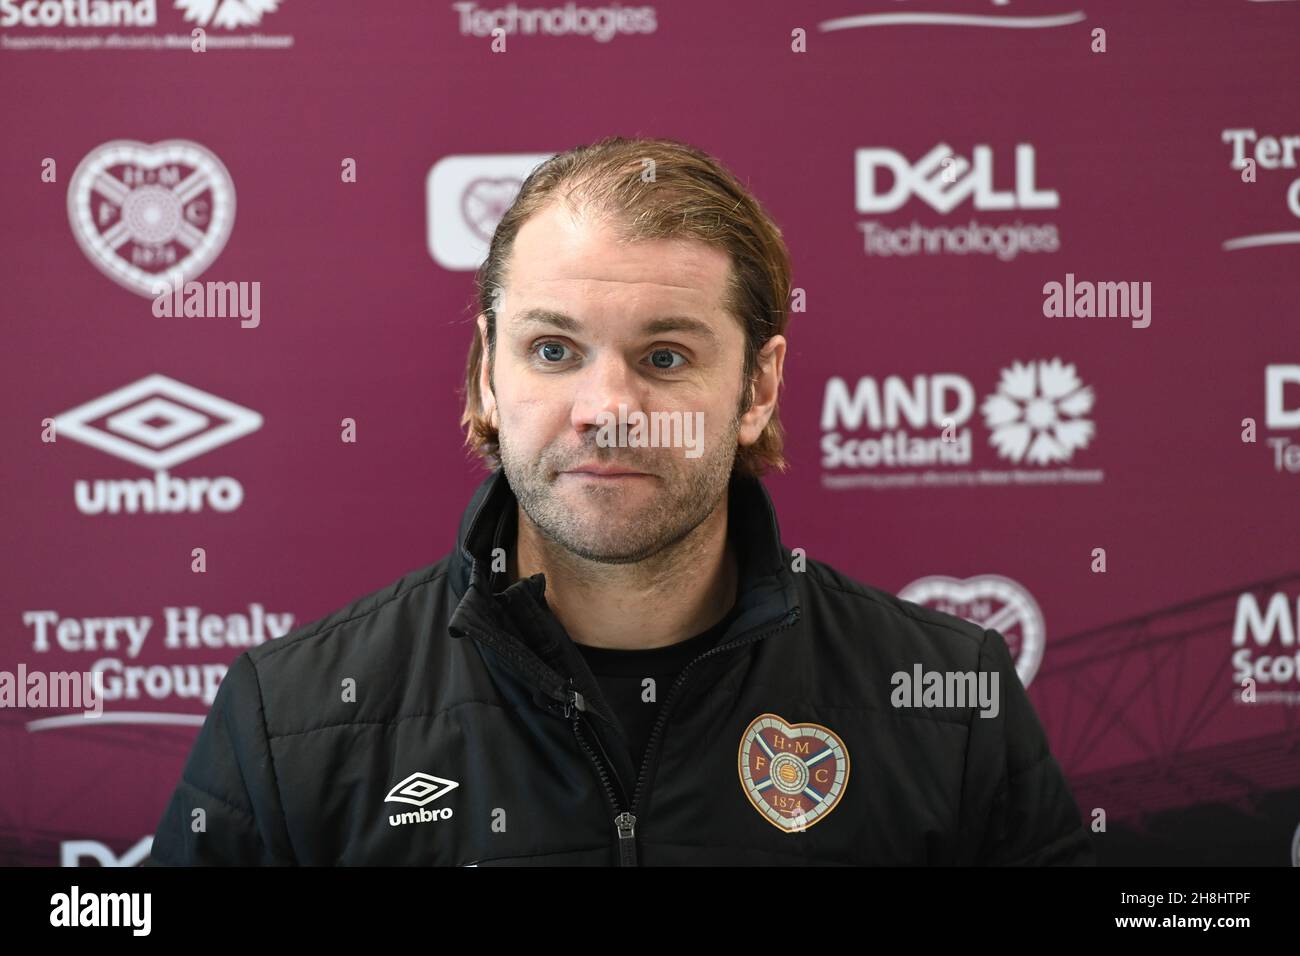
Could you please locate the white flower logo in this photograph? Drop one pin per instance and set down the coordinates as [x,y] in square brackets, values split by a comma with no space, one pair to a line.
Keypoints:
[227,13]
[1036,413]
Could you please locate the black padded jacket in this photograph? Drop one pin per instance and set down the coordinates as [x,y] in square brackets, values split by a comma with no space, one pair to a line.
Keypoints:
[450,720]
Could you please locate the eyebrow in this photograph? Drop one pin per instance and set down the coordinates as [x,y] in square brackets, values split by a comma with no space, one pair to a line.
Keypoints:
[660,326]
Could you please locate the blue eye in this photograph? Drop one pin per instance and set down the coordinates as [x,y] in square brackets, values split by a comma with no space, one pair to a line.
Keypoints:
[668,352]
[553,358]
[550,345]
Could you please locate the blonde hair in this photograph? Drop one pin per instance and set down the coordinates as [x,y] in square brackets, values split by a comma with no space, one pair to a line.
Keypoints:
[650,189]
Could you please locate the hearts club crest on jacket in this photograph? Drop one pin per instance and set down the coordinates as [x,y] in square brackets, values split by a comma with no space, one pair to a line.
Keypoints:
[793,774]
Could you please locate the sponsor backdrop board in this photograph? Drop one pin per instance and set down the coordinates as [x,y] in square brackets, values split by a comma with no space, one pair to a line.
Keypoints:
[987,412]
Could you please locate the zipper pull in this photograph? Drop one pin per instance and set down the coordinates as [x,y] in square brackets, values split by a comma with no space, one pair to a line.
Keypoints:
[574,701]
[625,823]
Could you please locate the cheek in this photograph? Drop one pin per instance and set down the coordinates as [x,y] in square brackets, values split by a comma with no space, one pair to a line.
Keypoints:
[718,417]
[532,419]
[522,395]
[530,406]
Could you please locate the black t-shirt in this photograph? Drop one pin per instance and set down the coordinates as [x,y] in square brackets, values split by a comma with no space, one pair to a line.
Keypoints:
[622,675]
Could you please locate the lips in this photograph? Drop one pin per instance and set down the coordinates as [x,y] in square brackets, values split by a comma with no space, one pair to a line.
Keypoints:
[599,471]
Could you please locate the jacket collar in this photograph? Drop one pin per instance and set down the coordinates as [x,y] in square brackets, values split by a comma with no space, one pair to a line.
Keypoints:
[766,591]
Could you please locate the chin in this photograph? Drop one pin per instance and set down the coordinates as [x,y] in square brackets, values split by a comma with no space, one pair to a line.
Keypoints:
[600,544]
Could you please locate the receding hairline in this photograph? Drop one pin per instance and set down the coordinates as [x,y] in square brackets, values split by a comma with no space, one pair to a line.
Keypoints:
[579,204]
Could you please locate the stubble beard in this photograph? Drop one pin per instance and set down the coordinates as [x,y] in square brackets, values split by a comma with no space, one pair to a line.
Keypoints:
[599,526]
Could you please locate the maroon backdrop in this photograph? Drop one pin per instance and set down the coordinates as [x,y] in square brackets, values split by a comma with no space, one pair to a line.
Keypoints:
[934,165]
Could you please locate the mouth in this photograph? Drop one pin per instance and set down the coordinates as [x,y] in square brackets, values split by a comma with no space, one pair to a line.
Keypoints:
[597,473]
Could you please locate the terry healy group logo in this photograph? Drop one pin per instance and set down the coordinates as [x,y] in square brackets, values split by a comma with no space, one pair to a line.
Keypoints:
[145,213]
[898,432]
[793,774]
[945,180]
[125,666]
[992,602]
[1253,152]
[465,197]
[156,423]
[981,14]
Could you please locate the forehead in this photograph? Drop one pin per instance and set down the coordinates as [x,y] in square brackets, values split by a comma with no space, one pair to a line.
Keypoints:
[562,255]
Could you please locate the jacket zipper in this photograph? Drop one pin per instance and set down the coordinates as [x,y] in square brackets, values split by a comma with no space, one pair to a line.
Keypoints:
[625,820]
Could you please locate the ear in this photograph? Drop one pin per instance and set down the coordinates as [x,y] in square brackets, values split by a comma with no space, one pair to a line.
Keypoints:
[487,398]
[766,385]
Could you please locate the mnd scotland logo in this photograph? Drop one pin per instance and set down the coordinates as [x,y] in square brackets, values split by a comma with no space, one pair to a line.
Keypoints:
[229,14]
[134,25]
[897,432]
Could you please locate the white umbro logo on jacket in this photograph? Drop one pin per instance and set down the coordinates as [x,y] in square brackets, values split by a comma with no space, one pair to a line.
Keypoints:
[419,789]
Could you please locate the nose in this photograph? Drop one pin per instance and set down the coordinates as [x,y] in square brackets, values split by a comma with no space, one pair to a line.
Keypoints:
[601,387]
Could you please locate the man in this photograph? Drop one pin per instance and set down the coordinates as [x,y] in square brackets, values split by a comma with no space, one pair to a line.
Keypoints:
[620,662]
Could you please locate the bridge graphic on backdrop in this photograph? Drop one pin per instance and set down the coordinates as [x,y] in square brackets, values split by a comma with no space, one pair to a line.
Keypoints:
[1143,715]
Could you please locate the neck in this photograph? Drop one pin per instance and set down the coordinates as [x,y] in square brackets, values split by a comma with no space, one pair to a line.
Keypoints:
[669,597]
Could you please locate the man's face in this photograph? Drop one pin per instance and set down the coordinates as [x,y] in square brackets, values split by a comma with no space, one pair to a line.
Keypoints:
[574,341]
